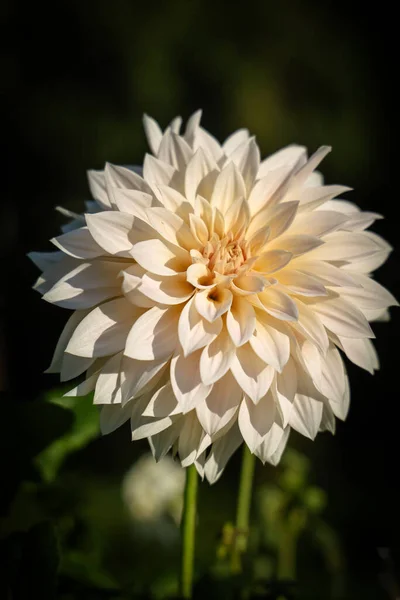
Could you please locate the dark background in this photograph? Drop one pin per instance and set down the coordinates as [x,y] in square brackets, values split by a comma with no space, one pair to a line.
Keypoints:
[78,76]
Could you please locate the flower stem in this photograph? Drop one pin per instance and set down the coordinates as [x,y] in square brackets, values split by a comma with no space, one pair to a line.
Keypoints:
[188,532]
[243,509]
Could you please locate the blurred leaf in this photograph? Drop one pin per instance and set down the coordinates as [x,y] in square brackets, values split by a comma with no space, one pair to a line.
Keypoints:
[84,429]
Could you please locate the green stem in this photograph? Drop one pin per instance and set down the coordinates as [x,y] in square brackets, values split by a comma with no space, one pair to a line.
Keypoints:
[243,509]
[188,532]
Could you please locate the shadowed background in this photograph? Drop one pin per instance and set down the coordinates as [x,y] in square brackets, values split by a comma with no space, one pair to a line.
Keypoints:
[78,77]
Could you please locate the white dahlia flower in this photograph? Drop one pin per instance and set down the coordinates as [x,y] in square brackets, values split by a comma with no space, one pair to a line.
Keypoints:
[213,295]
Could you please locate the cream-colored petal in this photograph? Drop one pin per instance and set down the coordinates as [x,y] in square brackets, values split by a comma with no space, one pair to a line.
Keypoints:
[186,381]
[166,290]
[278,304]
[104,330]
[194,331]
[217,410]
[212,304]
[240,321]
[153,133]
[272,261]
[256,420]
[160,257]
[78,243]
[229,187]
[216,358]
[251,373]
[154,336]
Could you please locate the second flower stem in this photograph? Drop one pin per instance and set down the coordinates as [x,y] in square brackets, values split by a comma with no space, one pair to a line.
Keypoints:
[243,509]
[188,532]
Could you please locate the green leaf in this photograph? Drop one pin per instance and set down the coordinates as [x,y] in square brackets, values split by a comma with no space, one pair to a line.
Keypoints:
[84,429]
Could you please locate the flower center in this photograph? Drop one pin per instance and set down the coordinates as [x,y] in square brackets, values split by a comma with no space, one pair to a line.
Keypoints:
[225,256]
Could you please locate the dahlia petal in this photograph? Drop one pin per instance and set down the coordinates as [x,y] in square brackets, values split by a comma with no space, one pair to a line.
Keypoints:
[113,416]
[78,243]
[174,150]
[330,274]
[317,223]
[301,284]
[229,187]
[272,261]
[153,133]
[161,258]
[367,264]
[163,403]
[270,344]
[343,245]
[361,352]
[83,388]
[235,140]
[343,318]
[305,171]
[256,420]
[248,284]
[275,458]
[143,427]
[173,201]
[297,244]
[132,202]
[189,439]
[361,221]
[45,260]
[132,278]
[237,216]
[340,409]
[208,143]
[310,325]
[333,381]
[210,308]
[123,177]
[370,295]
[306,415]
[175,124]
[284,391]
[194,331]
[328,421]
[172,228]
[200,276]
[192,126]
[154,335]
[161,443]
[216,358]
[63,340]
[266,451]
[278,218]
[258,240]
[104,330]
[291,156]
[221,404]
[278,304]
[157,172]
[200,165]
[240,321]
[65,295]
[311,360]
[112,230]
[98,189]
[186,381]
[73,366]
[313,197]
[221,452]
[166,290]
[199,229]
[108,386]
[251,373]
[247,159]
[137,374]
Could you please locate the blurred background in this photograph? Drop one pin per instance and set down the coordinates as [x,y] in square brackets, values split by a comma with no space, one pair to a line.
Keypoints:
[77,78]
